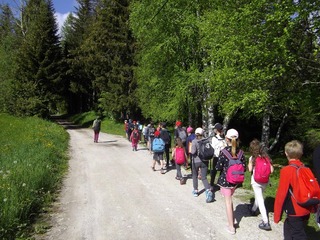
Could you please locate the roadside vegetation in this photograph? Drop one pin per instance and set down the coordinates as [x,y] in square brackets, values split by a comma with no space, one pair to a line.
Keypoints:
[33,157]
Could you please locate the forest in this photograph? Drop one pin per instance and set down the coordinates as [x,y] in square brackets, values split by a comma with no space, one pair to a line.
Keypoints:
[252,65]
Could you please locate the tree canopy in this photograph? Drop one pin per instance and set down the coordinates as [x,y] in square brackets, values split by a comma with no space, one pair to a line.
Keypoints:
[198,61]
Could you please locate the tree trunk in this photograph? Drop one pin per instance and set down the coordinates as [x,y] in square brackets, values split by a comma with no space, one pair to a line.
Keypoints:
[265,134]
[278,132]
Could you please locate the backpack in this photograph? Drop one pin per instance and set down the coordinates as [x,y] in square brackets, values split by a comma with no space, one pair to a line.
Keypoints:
[205,150]
[151,132]
[235,170]
[180,156]
[262,170]
[182,134]
[306,191]
[135,135]
[164,134]
[158,145]
[96,125]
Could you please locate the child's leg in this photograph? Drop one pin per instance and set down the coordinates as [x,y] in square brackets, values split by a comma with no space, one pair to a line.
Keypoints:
[178,167]
[259,202]
[229,211]
[195,170]
[294,228]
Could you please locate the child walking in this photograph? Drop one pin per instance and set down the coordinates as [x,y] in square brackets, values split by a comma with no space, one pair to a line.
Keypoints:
[296,216]
[179,155]
[258,151]
[158,147]
[134,138]
[200,164]
[227,189]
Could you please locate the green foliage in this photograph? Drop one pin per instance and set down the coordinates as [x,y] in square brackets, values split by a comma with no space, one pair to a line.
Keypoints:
[33,161]
[107,53]
[37,87]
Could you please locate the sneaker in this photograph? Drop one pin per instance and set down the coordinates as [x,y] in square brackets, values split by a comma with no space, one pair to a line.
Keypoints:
[265,226]
[209,196]
[232,232]
[153,169]
[162,171]
[182,181]
[195,193]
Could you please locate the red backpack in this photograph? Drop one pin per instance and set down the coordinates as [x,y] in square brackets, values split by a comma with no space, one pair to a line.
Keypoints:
[180,156]
[235,170]
[262,170]
[307,190]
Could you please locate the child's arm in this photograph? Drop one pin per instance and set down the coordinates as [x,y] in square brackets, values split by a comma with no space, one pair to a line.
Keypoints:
[250,164]
[173,153]
[281,194]
[186,157]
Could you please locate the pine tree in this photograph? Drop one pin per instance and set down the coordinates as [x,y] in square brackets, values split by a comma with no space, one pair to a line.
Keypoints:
[38,87]
[108,55]
[75,32]
[8,46]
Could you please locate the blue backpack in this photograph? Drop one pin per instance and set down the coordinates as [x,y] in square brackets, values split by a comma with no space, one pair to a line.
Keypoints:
[158,145]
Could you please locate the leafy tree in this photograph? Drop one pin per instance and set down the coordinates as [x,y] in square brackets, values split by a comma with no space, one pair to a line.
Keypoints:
[170,59]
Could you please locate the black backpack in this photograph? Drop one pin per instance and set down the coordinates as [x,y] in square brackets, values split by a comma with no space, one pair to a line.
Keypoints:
[205,150]
[165,135]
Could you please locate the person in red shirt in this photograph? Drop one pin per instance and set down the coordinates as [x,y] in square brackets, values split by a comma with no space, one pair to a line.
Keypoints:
[296,216]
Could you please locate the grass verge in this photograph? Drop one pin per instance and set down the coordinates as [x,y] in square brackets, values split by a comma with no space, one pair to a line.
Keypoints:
[33,161]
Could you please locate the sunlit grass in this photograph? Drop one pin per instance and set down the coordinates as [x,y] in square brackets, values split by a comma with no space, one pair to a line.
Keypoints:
[33,160]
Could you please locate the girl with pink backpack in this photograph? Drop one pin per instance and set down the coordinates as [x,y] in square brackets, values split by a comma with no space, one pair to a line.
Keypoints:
[179,155]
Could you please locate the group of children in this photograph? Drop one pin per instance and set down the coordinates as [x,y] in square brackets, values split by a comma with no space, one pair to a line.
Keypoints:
[226,147]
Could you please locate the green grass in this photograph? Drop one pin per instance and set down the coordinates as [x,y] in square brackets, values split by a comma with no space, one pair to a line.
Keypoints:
[33,160]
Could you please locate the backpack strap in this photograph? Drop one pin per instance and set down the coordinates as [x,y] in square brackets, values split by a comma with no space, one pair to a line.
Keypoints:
[229,156]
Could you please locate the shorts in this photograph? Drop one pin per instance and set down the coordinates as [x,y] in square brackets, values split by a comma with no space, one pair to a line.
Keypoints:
[158,156]
[227,192]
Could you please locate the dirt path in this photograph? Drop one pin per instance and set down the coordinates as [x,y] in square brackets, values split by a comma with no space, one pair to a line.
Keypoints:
[110,192]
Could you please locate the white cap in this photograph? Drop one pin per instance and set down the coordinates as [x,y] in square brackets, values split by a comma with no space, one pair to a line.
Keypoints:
[232,133]
[199,131]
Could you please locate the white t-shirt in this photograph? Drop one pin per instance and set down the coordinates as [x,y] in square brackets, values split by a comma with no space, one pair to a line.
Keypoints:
[218,143]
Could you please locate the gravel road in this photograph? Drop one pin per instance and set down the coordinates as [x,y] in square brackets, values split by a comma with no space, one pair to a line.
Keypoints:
[110,192]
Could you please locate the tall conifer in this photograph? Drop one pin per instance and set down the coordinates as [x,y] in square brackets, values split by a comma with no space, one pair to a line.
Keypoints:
[38,86]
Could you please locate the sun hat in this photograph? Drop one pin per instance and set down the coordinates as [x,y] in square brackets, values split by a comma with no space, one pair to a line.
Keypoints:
[232,133]
[199,131]
[157,133]
[218,126]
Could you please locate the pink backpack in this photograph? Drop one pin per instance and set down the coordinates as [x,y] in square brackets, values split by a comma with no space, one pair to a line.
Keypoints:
[262,170]
[180,156]
[235,170]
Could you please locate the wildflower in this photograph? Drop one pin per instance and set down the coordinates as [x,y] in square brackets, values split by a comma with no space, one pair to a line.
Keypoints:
[15,162]
[5,199]
[23,184]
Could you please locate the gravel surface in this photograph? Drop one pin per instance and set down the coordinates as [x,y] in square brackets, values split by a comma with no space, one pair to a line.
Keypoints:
[110,192]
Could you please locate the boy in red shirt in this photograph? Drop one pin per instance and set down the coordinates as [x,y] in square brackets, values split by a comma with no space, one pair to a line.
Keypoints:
[297,216]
